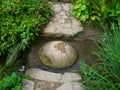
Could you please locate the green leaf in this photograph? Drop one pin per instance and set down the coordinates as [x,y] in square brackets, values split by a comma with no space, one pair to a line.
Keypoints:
[12,55]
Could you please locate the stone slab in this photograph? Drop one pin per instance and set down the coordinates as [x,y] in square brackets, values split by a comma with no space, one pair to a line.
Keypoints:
[70,86]
[43,85]
[28,84]
[63,22]
[44,75]
[70,77]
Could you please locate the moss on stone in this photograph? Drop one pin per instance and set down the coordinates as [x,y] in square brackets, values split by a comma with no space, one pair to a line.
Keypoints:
[48,61]
[41,49]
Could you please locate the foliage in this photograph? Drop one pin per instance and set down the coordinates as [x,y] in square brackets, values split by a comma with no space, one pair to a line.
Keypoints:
[20,22]
[102,11]
[80,10]
[73,1]
[12,82]
[105,74]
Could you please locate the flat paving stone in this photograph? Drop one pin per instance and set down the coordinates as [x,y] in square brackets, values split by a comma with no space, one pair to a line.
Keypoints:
[42,85]
[44,80]
[44,75]
[63,22]
[70,86]
[28,84]
[70,77]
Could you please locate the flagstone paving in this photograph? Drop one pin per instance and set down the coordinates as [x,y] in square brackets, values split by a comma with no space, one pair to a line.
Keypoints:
[62,24]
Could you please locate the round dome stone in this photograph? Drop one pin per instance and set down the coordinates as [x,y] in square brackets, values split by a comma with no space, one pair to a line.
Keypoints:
[57,54]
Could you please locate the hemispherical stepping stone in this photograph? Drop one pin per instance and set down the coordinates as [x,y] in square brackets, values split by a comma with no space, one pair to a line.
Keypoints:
[58,54]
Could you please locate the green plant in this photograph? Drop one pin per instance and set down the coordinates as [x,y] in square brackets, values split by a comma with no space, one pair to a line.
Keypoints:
[105,74]
[20,22]
[80,10]
[73,1]
[102,11]
[12,82]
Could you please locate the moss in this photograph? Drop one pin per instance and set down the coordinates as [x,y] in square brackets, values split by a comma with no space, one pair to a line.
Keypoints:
[41,50]
[47,60]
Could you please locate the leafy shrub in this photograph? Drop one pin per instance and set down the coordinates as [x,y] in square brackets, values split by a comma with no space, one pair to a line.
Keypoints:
[73,1]
[105,74]
[12,82]
[20,22]
[80,10]
[102,11]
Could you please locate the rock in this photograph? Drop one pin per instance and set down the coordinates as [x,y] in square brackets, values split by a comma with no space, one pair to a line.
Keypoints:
[70,77]
[44,80]
[66,7]
[63,22]
[57,8]
[62,13]
[38,89]
[44,75]
[28,85]
[43,85]
[57,54]
[70,86]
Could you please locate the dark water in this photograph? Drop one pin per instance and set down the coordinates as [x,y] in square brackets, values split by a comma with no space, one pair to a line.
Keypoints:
[83,43]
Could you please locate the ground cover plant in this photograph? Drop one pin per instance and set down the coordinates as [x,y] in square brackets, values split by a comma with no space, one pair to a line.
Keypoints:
[12,82]
[101,11]
[105,73]
[20,22]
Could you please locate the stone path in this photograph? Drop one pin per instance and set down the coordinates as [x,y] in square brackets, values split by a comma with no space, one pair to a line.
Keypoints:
[62,24]
[44,80]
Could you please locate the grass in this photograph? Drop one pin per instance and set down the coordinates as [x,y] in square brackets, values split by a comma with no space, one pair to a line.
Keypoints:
[105,74]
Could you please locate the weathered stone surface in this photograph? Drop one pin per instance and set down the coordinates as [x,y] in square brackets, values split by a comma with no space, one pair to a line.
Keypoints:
[28,85]
[44,80]
[70,86]
[58,54]
[70,77]
[66,7]
[63,22]
[57,8]
[44,75]
[38,89]
[43,85]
